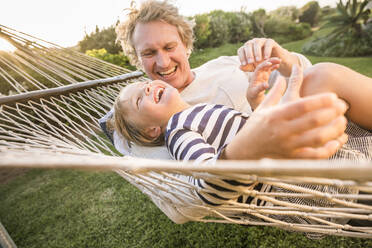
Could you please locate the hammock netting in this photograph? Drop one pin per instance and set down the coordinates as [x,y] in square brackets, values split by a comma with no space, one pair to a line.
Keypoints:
[50,104]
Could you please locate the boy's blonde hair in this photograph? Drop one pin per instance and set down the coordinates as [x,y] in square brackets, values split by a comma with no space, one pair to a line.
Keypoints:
[129,130]
[152,11]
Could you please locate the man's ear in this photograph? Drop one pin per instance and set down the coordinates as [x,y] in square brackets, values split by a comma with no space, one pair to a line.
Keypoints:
[188,53]
[153,132]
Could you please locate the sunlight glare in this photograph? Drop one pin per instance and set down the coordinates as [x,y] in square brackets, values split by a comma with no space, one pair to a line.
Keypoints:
[6,46]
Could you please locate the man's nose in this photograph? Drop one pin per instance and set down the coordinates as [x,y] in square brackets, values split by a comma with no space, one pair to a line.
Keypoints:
[162,60]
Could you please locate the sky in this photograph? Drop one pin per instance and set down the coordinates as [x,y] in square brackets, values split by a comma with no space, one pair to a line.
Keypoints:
[66,22]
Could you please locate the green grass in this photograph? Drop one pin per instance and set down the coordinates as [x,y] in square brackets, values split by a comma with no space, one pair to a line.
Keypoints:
[360,64]
[66,208]
[199,57]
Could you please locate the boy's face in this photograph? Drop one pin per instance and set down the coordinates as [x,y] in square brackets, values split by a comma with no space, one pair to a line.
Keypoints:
[162,53]
[151,103]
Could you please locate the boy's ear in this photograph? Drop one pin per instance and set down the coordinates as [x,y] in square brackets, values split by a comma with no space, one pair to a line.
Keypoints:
[153,132]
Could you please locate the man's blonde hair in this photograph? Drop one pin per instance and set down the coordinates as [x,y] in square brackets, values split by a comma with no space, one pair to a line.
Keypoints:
[130,131]
[152,11]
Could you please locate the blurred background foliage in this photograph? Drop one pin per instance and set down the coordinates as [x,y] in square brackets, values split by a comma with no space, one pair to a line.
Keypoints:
[350,22]
[351,34]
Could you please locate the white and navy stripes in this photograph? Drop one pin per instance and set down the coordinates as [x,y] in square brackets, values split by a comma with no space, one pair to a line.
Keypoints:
[199,134]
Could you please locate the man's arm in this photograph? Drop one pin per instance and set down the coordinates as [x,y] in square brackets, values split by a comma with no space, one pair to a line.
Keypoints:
[311,127]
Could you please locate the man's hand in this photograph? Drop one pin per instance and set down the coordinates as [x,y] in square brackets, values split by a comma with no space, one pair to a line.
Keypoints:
[310,127]
[256,50]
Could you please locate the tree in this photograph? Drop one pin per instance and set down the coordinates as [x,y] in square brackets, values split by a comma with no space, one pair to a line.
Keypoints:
[202,30]
[282,29]
[351,34]
[240,26]
[258,19]
[289,12]
[327,10]
[104,38]
[350,18]
[219,28]
[310,13]
[116,59]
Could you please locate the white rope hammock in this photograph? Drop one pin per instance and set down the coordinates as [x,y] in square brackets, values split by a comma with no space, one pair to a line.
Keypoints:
[52,122]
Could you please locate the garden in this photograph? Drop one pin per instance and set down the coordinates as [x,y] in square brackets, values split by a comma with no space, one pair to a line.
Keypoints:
[72,208]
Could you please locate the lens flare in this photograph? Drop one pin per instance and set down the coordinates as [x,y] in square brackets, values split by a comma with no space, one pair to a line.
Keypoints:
[6,46]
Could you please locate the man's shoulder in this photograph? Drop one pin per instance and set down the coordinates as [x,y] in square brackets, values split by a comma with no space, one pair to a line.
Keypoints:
[217,69]
[220,61]
[226,59]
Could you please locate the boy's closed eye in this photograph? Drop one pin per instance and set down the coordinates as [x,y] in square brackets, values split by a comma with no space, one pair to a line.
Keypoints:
[138,102]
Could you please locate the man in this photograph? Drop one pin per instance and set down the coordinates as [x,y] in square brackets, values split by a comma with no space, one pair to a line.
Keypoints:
[159,41]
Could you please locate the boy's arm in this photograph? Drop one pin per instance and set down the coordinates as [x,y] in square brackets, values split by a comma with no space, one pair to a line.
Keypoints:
[192,146]
[259,83]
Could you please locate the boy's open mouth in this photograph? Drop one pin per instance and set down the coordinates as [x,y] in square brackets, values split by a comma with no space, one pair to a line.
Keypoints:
[158,93]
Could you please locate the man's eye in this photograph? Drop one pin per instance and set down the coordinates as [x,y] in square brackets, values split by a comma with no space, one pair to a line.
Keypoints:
[147,54]
[169,48]
[138,101]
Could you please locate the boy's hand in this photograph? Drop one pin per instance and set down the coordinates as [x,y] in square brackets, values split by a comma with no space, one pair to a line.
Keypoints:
[258,85]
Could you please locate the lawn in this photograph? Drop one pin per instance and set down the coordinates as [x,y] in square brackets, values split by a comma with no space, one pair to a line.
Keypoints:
[67,208]
[359,64]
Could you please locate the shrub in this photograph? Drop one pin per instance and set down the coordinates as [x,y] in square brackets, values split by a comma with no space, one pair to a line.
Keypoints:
[350,18]
[351,35]
[367,30]
[327,11]
[202,30]
[219,28]
[299,31]
[343,46]
[240,26]
[290,12]
[104,38]
[117,59]
[259,19]
[310,13]
[283,30]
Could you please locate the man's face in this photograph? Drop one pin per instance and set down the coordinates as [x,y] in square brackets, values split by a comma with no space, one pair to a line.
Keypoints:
[162,53]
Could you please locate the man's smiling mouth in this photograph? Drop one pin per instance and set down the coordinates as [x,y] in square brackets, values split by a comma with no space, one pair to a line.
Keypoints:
[166,73]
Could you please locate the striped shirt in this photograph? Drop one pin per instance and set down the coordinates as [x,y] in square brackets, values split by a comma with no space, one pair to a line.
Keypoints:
[200,133]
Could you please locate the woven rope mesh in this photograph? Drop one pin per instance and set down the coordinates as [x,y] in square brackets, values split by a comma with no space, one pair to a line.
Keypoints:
[47,123]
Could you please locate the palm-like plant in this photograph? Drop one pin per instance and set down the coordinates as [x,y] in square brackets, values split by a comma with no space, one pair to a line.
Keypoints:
[350,17]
